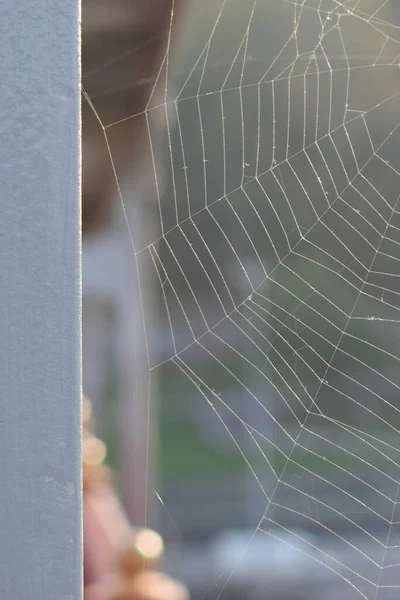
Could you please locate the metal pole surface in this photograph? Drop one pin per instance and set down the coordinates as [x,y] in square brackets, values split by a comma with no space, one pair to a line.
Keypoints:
[40,301]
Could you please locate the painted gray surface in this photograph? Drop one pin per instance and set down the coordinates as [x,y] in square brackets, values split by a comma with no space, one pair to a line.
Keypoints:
[40,462]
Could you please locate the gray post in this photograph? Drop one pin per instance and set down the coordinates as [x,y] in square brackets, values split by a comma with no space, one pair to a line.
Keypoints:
[40,301]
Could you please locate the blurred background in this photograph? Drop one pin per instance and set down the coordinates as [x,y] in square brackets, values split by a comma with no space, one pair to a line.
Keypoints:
[241,172]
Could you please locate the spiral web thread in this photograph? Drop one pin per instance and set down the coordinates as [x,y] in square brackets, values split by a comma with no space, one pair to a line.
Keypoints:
[276,262]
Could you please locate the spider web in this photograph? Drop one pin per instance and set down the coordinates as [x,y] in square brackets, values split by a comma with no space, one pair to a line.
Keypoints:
[276,262]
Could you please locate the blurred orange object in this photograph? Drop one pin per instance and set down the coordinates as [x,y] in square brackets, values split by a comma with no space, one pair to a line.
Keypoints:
[118,560]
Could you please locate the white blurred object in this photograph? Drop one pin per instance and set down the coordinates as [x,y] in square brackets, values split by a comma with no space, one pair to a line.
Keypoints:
[111,293]
[111,309]
[275,565]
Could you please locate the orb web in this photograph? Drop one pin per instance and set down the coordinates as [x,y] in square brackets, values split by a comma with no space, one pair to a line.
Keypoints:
[275,259]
